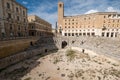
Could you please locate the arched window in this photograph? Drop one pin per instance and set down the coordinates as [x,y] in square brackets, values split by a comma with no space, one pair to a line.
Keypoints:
[60,5]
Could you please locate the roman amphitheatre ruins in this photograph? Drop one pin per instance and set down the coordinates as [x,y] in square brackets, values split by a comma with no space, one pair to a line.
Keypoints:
[63,58]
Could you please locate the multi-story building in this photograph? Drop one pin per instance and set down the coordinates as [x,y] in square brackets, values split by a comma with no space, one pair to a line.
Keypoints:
[38,26]
[13,19]
[105,24]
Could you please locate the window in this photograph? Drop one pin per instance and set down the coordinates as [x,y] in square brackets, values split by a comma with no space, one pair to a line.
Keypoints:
[84,34]
[115,34]
[76,34]
[73,20]
[93,34]
[17,9]
[9,15]
[18,18]
[18,27]
[88,34]
[103,34]
[60,5]
[10,26]
[24,20]
[80,34]
[112,34]
[24,13]
[65,34]
[65,27]
[25,29]
[114,16]
[107,34]
[8,5]
[72,34]
[32,27]
[119,16]
[68,34]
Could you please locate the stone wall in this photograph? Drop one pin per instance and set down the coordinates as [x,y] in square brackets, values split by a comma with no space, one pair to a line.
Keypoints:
[5,62]
[100,45]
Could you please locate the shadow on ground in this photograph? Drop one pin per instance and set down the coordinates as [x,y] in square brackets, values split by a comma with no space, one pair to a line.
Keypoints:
[18,70]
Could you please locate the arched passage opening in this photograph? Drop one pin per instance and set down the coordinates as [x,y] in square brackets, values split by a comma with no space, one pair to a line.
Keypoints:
[64,44]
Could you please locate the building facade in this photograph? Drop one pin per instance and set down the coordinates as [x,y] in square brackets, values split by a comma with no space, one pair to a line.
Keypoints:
[105,24]
[38,26]
[13,19]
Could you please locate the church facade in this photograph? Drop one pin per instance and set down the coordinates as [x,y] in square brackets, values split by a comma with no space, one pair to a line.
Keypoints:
[105,24]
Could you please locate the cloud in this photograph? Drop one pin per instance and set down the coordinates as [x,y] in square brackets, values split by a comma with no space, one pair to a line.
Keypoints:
[47,9]
[24,2]
[46,13]
[91,11]
[111,9]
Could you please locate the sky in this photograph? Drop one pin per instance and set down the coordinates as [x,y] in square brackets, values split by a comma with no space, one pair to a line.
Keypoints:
[47,9]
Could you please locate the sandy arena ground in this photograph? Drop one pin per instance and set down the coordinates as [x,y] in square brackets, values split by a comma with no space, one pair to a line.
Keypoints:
[61,66]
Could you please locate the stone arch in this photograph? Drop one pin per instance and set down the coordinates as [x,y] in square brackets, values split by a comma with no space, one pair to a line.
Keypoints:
[64,44]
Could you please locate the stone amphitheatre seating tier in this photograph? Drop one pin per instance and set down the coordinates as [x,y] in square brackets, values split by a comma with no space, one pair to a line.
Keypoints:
[101,45]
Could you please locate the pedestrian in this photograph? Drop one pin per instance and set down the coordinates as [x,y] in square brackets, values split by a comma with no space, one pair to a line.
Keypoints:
[83,50]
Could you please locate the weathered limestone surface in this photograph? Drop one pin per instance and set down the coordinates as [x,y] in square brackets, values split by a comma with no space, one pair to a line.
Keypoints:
[104,46]
[42,45]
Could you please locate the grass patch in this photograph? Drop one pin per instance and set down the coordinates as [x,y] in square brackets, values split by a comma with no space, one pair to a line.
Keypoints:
[56,60]
[70,54]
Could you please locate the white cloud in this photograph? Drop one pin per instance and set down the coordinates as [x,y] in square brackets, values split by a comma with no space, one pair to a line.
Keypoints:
[111,9]
[44,12]
[73,7]
[91,11]
[24,2]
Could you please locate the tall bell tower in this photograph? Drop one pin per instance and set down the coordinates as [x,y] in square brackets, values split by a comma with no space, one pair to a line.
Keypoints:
[60,15]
